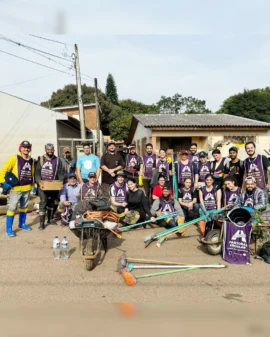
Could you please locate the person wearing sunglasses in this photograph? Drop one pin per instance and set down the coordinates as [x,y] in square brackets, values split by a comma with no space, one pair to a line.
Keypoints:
[17,176]
[48,167]
[92,188]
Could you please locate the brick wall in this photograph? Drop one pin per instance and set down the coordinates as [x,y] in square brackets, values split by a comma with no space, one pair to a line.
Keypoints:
[90,116]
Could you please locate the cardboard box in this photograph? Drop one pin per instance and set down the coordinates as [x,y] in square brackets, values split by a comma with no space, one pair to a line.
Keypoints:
[51,185]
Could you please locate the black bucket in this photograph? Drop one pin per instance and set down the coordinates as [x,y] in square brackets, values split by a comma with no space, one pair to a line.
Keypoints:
[241,214]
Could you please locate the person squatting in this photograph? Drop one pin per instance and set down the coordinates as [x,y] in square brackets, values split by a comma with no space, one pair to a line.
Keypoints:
[144,184]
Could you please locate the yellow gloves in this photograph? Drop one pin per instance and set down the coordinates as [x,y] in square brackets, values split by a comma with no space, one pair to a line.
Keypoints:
[140,181]
[169,160]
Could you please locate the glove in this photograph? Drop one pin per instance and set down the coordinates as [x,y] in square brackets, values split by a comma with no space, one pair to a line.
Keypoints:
[140,181]
[169,160]
[6,186]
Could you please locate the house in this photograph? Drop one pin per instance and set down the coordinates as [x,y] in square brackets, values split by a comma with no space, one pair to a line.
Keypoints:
[24,120]
[177,132]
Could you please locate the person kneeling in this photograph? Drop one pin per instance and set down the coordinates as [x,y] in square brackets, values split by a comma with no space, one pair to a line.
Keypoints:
[167,205]
[188,200]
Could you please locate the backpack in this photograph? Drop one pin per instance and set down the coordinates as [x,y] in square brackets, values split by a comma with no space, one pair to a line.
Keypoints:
[265,252]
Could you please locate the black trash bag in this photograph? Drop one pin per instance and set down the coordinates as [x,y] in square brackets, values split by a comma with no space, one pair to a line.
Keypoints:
[265,252]
[100,204]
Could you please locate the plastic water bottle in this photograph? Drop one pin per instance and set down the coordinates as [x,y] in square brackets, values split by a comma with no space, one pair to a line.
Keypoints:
[65,249]
[56,248]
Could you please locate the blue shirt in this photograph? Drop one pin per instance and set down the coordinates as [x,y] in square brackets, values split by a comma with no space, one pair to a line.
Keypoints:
[88,164]
[70,193]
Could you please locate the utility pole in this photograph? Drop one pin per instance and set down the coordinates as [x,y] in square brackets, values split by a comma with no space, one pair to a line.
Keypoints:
[97,118]
[79,92]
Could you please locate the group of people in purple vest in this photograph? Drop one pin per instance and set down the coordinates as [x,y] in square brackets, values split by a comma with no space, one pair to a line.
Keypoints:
[141,183]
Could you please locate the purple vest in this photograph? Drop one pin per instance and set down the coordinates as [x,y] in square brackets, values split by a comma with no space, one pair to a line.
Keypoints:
[167,205]
[120,192]
[132,159]
[49,168]
[89,192]
[25,170]
[236,243]
[185,171]
[255,169]
[249,199]
[203,170]
[231,197]
[163,164]
[194,158]
[187,195]
[209,198]
[148,162]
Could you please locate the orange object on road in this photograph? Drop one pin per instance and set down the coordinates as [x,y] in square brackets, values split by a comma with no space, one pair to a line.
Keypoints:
[202,227]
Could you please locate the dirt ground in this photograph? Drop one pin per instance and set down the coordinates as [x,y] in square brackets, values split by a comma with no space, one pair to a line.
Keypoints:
[28,274]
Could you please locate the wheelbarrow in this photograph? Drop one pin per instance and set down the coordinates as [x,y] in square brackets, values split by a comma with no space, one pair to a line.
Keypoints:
[92,236]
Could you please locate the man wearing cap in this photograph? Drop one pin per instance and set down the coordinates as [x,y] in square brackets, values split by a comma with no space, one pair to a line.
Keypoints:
[252,196]
[217,167]
[118,193]
[87,163]
[257,166]
[166,205]
[92,188]
[193,153]
[204,168]
[149,164]
[235,167]
[134,163]
[68,163]
[110,162]
[48,167]
[69,196]
[185,168]
[17,175]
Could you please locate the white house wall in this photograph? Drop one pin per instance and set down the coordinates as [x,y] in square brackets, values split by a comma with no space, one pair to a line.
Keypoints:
[23,120]
[142,132]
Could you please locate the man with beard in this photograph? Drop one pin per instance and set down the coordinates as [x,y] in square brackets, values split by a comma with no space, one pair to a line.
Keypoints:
[149,164]
[21,167]
[91,189]
[253,196]
[204,167]
[235,167]
[193,154]
[48,167]
[185,168]
[118,193]
[110,162]
[257,166]
[68,163]
[134,163]
[167,205]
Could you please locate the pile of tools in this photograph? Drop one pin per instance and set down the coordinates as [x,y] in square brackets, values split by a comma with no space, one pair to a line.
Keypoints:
[125,266]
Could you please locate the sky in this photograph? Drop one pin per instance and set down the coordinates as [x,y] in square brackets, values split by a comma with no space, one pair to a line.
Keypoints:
[205,49]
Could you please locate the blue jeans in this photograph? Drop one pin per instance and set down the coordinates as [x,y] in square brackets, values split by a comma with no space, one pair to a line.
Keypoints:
[186,211]
[16,198]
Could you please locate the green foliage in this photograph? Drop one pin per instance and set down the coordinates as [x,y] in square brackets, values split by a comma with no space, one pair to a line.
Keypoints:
[120,117]
[254,104]
[111,90]
[178,104]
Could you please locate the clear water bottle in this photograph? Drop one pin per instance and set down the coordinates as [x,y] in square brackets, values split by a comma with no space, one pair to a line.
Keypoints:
[56,248]
[65,249]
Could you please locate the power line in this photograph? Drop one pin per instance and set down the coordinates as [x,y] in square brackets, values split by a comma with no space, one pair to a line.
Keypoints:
[30,80]
[40,64]
[31,48]
[44,38]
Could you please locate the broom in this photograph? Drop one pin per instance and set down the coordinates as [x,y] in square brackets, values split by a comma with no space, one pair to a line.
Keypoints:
[131,280]
[129,267]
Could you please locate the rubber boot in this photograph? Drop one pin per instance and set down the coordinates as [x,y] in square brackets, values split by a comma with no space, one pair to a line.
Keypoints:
[22,225]
[42,222]
[50,220]
[9,223]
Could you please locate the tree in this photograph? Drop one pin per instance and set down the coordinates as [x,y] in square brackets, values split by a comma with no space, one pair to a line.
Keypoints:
[121,116]
[254,104]
[111,90]
[68,96]
[178,104]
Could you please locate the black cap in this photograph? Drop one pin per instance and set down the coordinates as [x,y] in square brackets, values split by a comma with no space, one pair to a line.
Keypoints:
[72,175]
[233,148]
[166,188]
[25,143]
[120,173]
[203,154]
[92,174]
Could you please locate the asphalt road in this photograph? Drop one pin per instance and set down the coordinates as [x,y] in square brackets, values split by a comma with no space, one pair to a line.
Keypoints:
[28,274]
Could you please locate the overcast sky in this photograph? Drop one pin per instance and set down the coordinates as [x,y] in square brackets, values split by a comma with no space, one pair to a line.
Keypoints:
[207,49]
